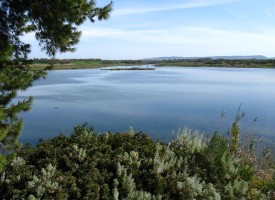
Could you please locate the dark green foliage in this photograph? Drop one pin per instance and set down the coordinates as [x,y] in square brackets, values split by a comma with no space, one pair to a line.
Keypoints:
[55,25]
[86,159]
[88,165]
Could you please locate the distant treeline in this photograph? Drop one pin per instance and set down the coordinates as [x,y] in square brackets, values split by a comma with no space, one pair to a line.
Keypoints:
[73,61]
[267,63]
[208,62]
[60,61]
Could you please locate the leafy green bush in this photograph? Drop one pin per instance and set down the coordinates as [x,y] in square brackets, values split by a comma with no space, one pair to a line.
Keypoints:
[88,165]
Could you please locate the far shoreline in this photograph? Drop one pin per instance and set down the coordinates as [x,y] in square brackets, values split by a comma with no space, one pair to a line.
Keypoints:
[40,64]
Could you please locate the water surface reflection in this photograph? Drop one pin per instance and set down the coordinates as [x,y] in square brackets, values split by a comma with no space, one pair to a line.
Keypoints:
[156,101]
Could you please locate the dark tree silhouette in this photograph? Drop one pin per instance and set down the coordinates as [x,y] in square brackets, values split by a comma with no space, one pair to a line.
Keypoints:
[55,24]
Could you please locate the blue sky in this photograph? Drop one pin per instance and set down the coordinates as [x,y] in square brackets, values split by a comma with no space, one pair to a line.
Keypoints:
[152,28]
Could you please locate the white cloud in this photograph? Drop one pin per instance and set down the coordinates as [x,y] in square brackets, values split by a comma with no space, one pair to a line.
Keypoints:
[181,41]
[177,35]
[186,41]
[187,5]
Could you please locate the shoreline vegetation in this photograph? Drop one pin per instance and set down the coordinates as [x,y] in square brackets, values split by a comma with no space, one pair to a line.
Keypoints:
[130,165]
[57,64]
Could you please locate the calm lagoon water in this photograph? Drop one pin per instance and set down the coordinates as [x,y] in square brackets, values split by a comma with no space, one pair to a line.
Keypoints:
[158,102]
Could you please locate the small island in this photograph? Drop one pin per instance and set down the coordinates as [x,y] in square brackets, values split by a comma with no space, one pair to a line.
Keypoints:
[128,68]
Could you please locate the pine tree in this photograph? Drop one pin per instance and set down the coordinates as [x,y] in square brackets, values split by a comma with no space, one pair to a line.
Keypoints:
[55,25]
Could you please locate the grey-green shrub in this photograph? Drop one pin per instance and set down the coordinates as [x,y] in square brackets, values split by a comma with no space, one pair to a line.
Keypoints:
[88,165]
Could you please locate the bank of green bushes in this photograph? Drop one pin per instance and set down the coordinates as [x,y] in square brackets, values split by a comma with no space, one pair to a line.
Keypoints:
[88,165]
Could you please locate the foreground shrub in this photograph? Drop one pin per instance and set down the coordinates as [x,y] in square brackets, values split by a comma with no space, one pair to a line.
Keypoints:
[88,165]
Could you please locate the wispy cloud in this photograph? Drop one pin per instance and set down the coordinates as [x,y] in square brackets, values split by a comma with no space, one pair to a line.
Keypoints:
[181,41]
[168,7]
[194,40]
[179,34]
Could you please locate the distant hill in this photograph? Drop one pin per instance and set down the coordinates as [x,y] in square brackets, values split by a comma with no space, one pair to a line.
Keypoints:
[257,57]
